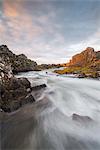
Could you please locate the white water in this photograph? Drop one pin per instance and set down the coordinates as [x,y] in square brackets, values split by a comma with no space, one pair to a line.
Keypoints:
[54,128]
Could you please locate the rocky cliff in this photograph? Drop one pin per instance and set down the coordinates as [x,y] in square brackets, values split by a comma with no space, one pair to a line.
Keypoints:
[15,92]
[88,57]
[84,64]
[18,63]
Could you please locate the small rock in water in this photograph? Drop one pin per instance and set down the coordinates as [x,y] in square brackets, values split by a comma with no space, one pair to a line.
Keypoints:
[80,118]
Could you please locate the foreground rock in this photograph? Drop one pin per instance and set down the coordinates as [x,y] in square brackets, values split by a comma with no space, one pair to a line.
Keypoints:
[14,94]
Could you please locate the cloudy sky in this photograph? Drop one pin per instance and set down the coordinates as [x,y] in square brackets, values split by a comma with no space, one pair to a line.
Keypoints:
[50,31]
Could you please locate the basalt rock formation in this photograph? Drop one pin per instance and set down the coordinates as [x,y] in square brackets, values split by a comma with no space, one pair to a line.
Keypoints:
[84,64]
[18,63]
[15,92]
[88,57]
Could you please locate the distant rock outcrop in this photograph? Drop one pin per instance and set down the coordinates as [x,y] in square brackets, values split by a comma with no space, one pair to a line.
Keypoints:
[49,66]
[86,58]
[18,63]
[84,64]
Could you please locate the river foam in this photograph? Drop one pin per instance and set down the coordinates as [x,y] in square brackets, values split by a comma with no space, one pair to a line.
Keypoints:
[48,124]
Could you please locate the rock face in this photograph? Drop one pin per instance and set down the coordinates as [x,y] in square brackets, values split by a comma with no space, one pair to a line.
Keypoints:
[18,63]
[87,57]
[14,93]
[84,65]
[90,59]
[84,57]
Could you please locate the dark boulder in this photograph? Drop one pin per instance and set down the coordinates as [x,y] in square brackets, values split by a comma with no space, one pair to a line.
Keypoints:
[28,99]
[15,93]
[39,87]
[25,82]
[12,84]
[15,83]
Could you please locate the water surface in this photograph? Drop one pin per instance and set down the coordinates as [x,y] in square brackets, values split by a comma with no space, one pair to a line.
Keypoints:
[48,124]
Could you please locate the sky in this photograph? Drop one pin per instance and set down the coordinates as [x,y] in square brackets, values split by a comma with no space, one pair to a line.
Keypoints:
[50,31]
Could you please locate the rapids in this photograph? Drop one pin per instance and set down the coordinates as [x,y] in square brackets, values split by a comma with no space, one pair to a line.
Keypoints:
[47,124]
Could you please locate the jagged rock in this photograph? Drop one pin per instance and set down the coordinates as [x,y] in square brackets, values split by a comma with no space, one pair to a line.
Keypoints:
[28,99]
[18,63]
[5,70]
[83,58]
[25,82]
[84,64]
[14,94]
[86,57]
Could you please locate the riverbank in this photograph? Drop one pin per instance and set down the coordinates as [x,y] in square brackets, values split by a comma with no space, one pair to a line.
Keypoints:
[79,72]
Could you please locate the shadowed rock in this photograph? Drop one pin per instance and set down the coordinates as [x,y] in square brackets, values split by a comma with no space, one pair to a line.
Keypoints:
[15,93]
[39,87]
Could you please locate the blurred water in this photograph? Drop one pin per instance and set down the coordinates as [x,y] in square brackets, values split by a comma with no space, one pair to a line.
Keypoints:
[48,124]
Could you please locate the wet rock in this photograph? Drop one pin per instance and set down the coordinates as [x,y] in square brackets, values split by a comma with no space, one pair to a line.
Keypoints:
[15,93]
[12,84]
[39,87]
[28,99]
[79,118]
[25,82]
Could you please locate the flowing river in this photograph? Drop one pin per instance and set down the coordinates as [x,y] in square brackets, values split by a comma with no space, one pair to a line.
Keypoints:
[48,124]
